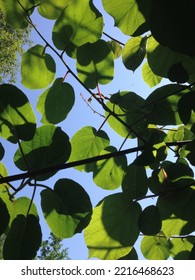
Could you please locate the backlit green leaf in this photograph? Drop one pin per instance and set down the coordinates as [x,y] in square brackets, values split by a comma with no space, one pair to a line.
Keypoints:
[108,173]
[67,209]
[50,146]
[181,248]
[37,68]
[78,24]
[95,63]
[135,181]
[155,248]
[128,15]
[150,221]
[134,52]
[115,48]
[17,119]
[108,236]
[51,9]
[127,105]
[24,238]
[149,77]
[56,102]
[14,13]
[92,143]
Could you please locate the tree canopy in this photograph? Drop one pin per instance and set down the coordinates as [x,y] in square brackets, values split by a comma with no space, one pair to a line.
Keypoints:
[163,155]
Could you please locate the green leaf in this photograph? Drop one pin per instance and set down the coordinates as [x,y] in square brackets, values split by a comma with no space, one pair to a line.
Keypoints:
[177,211]
[128,15]
[78,24]
[190,151]
[132,255]
[50,146]
[37,68]
[67,209]
[150,221]
[134,52]
[163,105]
[115,48]
[192,253]
[108,174]
[155,248]
[92,143]
[21,207]
[4,217]
[135,181]
[127,105]
[24,238]
[95,63]
[181,248]
[149,77]
[51,9]
[161,59]
[56,102]
[17,119]
[14,13]
[177,73]
[185,106]
[109,236]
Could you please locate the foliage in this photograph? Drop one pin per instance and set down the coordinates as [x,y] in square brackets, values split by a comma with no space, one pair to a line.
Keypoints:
[162,124]
[12,45]
[51,249]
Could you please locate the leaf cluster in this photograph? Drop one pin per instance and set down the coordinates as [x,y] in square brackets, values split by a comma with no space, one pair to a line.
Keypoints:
[162,124]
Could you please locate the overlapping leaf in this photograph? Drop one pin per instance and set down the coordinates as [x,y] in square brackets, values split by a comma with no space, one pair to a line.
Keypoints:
[95,63]
[78,24]
[92,143]
[150,220]
[67,209]
[17,119]
[108,236]
[56,102]
[149,77]
[50,146]
[15,14]
[37,68]
[51,9]
[108,174]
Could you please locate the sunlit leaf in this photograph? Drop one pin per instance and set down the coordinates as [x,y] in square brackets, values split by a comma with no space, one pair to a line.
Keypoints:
[115,48]
[150,221]
[21,207]
[134,52]
[135,181]
[17,119]
[92,143]
[15,14]
[67,209]
[51,9]
[181,247]
[128,106]
[155,248]
[108,236]
[24,238]
[128,15]
[95,63]
[37,68]
[132,255]
[50,146]
[56,102]
[149,77]
[78,24]
[108,173]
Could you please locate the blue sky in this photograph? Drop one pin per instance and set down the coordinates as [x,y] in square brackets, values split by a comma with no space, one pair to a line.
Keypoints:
[81,116]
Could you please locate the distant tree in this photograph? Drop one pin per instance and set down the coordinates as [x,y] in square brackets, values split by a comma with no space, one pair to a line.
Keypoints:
[12,42]
[2,239]
[51,249]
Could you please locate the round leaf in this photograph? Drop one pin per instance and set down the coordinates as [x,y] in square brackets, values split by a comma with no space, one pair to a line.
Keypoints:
[108,174]
[155,248]
[17,119]
[95,63]
[92,143]
[134,52]
[51,9]
[150,221]
[108,236]
[50,146]
[24,239]
[67,209]
[149,77]
[56,102]
[78,24]
[181,248]
[37,68]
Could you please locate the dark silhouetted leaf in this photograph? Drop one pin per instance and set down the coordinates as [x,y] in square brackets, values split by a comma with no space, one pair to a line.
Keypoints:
[4,216]
[150,221]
